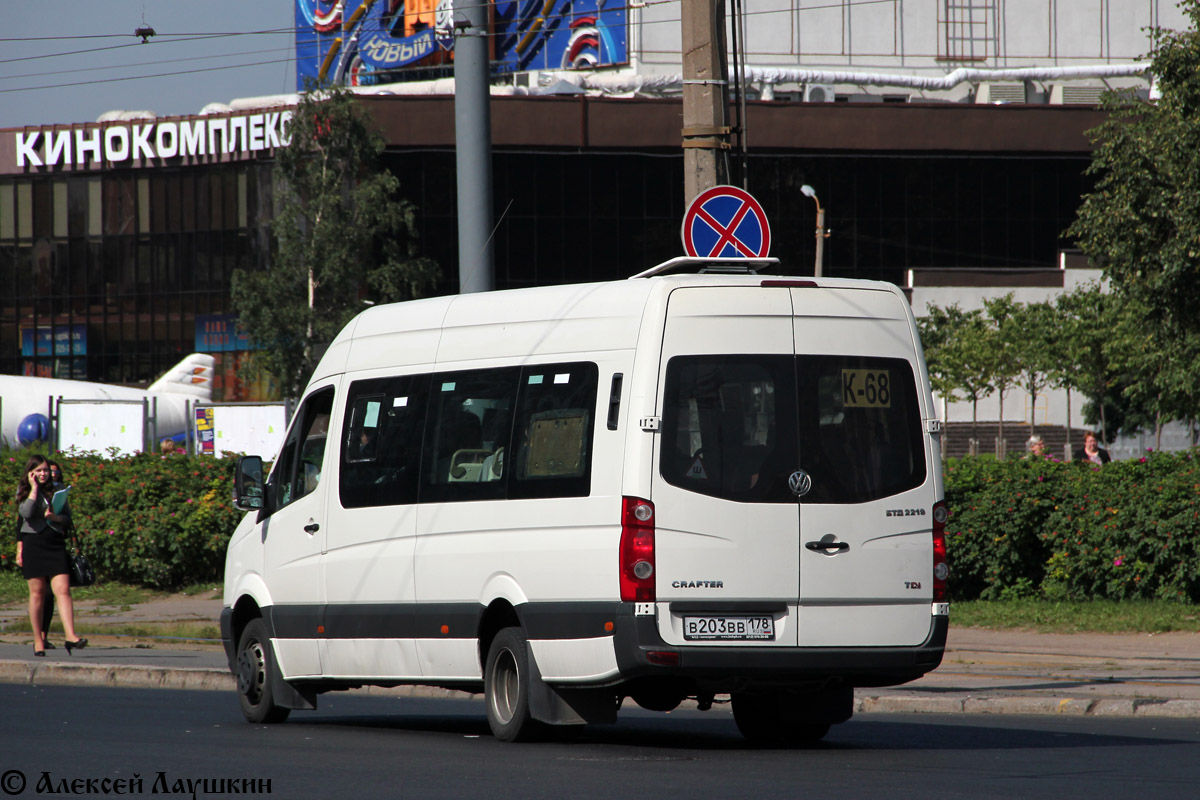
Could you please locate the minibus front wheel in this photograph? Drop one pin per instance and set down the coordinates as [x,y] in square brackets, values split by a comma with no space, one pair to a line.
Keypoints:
[507,686]
[255,662]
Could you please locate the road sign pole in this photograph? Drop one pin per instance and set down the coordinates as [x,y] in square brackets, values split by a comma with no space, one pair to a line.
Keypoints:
[473,147]
[705,97]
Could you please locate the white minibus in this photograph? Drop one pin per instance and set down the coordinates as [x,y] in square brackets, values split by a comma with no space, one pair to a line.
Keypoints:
[702,483]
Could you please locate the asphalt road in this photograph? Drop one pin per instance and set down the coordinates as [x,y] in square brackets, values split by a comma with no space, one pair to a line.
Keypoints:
[440,748]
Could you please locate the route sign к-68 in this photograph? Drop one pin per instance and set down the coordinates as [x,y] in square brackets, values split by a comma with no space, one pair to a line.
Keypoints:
[726,222]
[866,388]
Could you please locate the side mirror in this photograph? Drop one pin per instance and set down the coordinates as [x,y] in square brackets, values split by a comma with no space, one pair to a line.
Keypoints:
[248,484]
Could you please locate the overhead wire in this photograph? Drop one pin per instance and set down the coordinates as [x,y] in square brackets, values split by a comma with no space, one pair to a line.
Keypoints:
[127,35]
[188,38]
[142,64]
[146,77]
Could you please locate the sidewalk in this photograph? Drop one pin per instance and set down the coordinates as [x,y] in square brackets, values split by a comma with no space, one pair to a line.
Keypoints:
[984,671]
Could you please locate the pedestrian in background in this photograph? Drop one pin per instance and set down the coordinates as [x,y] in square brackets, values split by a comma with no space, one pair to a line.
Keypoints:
[42,554]
[56,482]
[1092,451]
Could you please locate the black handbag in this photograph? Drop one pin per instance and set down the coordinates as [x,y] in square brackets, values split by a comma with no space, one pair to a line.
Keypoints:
[82,573]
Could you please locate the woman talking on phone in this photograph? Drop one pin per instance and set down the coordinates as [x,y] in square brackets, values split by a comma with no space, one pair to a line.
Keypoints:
[42,554]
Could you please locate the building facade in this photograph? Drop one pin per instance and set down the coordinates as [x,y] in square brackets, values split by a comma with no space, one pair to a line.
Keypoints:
[945,135]
[118,240]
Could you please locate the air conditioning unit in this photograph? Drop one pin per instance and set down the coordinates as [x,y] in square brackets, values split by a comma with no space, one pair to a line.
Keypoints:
[1000,93]
[1075,95]
[818,93]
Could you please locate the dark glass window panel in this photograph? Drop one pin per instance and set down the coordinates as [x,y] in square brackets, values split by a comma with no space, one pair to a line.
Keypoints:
[77,206]
[736,427]
[43,209]
[860,428]
[298,471]
[552,439]
[458,462]
[120,212]
[187,201]
[729,426]
[381,454]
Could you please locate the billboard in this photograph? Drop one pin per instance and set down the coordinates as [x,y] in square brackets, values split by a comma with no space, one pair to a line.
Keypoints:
[373,42]
[219,333]
[57,340]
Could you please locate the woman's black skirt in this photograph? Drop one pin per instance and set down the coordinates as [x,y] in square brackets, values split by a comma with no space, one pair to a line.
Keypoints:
[44,554]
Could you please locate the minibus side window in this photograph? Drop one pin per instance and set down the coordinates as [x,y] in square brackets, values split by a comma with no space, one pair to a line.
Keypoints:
[300,459]
[553,435]
[381,449]
[467,435]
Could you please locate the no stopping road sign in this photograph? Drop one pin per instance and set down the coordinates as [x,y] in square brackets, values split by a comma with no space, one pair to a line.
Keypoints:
[726,222]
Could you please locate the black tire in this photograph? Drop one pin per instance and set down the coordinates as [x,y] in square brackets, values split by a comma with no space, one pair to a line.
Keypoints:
[506,683]
[255,665]
[775,720]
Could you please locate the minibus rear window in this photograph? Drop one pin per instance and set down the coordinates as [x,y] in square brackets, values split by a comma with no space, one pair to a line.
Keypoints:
[729,426]
[860,428]
[737,426]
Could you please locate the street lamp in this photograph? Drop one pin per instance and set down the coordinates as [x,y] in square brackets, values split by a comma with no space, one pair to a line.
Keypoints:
[822,234]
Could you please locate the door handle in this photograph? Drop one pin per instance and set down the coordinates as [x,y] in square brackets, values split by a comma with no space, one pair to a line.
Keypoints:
[826,547]
[312,527]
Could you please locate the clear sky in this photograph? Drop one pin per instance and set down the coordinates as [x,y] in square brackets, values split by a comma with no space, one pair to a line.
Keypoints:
[71,60]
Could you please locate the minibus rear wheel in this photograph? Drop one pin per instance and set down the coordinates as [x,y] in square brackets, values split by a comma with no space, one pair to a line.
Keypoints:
[775,719]
[255,664]
[507,686]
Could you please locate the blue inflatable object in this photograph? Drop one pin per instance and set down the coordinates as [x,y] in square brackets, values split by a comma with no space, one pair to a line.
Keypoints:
[34,428]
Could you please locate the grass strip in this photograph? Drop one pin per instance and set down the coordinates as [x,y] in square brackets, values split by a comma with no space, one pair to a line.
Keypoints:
[1091,616]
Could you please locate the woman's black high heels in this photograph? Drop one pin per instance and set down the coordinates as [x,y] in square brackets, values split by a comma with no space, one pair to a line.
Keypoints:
[78,644]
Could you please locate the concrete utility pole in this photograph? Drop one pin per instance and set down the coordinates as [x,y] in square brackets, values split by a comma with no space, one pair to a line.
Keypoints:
[705,97]
[473,148]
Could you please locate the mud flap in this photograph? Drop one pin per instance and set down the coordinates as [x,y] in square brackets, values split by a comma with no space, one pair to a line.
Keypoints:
[286,695]
[557,706]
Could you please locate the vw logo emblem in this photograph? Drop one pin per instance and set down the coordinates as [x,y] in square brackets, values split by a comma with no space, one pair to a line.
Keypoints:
[799,482]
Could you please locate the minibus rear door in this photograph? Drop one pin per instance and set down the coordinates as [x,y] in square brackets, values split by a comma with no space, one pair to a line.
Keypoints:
[726,543]
[863,476]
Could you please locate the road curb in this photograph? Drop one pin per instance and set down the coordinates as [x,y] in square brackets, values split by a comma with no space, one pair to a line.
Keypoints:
[120,676]
[208,679]
[1033,705]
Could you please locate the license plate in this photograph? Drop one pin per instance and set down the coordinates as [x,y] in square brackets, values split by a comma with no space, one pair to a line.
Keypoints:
[729,628]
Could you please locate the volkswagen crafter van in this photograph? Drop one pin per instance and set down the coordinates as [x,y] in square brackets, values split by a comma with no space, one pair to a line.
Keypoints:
[700,483]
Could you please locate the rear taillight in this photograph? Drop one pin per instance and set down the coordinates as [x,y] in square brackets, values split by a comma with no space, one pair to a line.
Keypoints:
[941,569]
[637,550]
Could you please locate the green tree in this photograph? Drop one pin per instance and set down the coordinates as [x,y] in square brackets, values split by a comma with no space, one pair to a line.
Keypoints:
[1141,223]
[1002,347]
[1090,337]
[1157,372]
[1032,329]
[343,238]
[956,346]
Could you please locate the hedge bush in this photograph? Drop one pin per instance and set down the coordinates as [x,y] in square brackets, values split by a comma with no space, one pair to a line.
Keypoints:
[156,521]
[1039,528]
[1021,528]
